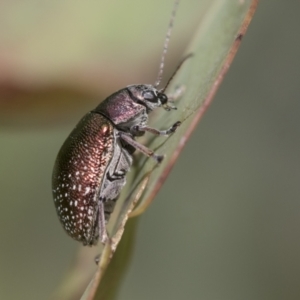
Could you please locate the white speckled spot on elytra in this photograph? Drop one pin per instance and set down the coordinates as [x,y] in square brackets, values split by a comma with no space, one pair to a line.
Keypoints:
[87,190]
[74,187]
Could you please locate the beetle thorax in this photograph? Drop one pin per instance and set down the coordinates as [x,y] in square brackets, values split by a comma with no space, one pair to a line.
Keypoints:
[130,106]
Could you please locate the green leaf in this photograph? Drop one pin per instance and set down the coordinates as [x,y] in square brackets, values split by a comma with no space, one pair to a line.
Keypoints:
[214,46]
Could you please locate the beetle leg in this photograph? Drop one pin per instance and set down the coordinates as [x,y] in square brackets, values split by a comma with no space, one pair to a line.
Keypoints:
[116,175]
[137,129]
[102,228]
[146,151]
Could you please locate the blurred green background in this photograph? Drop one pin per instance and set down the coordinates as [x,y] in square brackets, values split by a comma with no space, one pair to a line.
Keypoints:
[226,223]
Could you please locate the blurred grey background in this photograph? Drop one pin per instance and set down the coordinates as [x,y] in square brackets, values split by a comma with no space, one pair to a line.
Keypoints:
[226,223]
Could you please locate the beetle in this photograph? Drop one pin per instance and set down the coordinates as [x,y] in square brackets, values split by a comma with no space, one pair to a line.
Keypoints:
[91,166]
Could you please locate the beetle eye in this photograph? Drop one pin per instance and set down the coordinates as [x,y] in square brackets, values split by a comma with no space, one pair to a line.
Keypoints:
[149,95]
[163,98]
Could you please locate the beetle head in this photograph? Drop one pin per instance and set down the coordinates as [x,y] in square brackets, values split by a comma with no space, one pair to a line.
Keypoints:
[149,96]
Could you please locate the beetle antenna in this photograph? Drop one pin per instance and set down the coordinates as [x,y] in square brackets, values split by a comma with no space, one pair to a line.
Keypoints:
[166,44]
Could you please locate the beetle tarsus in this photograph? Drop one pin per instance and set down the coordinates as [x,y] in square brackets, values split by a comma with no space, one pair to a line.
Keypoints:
[104,237]
[158,158]
[174,127]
